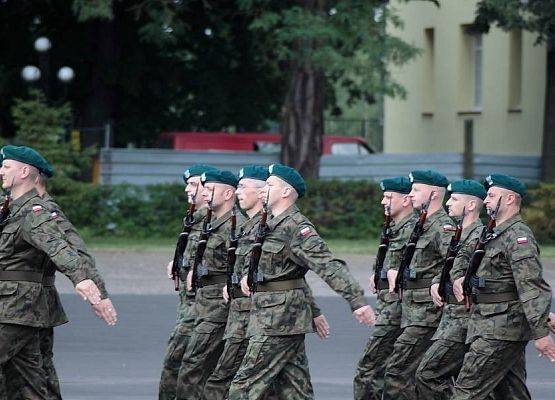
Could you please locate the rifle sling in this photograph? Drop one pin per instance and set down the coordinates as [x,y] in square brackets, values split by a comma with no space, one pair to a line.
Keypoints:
[278,286]
[451,299]
[212,280]
[423,283]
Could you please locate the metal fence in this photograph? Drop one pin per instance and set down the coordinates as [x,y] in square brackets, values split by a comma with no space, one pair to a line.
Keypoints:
[147,166]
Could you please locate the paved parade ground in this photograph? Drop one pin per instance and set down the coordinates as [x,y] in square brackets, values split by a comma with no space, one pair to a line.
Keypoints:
[123,362]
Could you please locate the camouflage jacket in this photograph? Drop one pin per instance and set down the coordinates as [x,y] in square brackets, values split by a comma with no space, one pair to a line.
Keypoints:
[185,309]
[30,237]
[388,306]
[429,255]
[239,310]
[454,319]
[291,248]
[209,301]
[511,263]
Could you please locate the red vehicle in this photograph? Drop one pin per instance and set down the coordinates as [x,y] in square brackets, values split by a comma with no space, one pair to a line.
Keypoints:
[268,143]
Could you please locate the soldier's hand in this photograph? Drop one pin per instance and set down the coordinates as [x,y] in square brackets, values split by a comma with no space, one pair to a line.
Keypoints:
[372,285]
[190,280]
[458,289]
[546,347]
[391,278]
[245,287]
[551,322]
[225,294]
[169,268]
[322,326]
[88,290]
[365,315]
[106,311]
[435,295]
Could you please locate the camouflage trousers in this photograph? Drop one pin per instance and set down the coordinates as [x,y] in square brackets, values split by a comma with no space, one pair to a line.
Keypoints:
[493,366]
[201,356]
[277,362]
[400,370]
[368,381]
[20,353]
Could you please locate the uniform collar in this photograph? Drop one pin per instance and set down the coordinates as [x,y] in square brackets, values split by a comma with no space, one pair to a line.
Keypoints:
[469,229]
[507,224]
[399,225]
[222,220]
[17,204]
[274,222]
[431,219]
[251,222]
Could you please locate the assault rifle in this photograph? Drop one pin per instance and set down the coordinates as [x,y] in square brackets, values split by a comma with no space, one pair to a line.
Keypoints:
[182,240]
[411,247]
[5,210]
[232,280]
[478,255]
[384,244]
[253,276]
[452,251]
[201,245]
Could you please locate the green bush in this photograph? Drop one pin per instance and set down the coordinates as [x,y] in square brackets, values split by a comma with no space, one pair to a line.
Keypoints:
[539,212]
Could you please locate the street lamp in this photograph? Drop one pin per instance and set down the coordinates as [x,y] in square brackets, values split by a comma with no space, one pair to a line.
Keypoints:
[30,73]
[43,44]
[66,74]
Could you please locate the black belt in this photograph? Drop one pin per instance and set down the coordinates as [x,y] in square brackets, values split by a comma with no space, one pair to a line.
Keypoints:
[25,276]
[382,285]
[49,281]
[424,283]
[451,299]
[491,298]
[209,280]
[278,286]
[238,293]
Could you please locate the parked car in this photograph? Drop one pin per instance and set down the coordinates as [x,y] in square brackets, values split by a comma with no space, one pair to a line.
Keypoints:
[262,142]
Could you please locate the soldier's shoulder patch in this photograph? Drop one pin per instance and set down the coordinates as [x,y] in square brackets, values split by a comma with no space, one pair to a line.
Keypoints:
[522,240]
[307,231]
[54,215]
[448,228]
[37,209]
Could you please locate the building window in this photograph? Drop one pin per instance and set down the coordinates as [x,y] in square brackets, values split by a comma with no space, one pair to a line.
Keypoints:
[515,70]
[477,69]
[428,78]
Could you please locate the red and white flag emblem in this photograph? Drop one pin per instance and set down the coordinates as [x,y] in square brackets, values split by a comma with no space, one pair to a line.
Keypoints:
[306,231]
[448,228]
[37,209]
[522,240]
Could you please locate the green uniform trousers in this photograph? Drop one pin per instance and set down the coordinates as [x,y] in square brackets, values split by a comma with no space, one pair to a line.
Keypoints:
[493,366]
[20,353]
[199,361]
[369,378]
[400,370]
[273,362]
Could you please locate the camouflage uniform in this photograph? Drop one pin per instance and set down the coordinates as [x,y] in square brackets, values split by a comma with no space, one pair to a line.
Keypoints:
[281,315]
[443,360]
[181,333]
[30,236]
[205,345]
[511,303]
[235,336]
[368,382]
[420,316]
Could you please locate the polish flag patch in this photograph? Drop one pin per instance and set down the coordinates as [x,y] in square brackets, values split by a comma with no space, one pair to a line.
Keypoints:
[54,215]
[448,228]
[306,231]
[37,209]
[522,240]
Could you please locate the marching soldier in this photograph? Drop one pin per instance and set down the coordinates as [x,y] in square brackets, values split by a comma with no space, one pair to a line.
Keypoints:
[205,345]
[281,315]
[443,360]
[368,382]
[30,239]
[179,337]
[420,316]
[510,303]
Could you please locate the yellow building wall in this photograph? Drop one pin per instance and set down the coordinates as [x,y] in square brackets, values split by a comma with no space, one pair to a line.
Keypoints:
[433,120]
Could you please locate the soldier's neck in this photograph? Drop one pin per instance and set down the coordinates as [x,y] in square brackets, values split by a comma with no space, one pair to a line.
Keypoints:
[508,214]
[469,219]
[280,208]
[434,207]
[404,213]
[255,210]
[225,208]
[20,190]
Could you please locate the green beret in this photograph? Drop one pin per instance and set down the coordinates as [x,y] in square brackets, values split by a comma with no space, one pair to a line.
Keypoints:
[400,184]
[254,172]
[196,170]
[468,186]
[29,156]
[289,175]
[428,177]
[506,182]
[219,176]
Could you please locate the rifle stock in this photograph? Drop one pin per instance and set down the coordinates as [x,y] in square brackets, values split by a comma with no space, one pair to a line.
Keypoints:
[452,251]
[233,240]
[384,245]
[201,245]
[253,277]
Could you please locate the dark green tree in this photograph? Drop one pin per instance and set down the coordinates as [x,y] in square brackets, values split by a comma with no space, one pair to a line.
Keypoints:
[537,16]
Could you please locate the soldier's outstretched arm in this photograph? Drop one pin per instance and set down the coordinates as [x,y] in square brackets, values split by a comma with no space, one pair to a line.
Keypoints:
[42,232]
[312,252]
[318,319]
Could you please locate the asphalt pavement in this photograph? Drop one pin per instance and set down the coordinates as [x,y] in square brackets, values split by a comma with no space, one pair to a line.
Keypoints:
[95,361]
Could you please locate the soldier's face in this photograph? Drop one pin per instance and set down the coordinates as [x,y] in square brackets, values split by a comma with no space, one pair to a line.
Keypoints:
[194,187]
[455,205]
[248,193]
[493,196]
[10,172]
[275,187]
[419,195]
[392,203]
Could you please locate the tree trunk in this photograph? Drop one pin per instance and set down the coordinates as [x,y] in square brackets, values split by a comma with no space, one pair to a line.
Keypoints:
[548,145]
[303,121]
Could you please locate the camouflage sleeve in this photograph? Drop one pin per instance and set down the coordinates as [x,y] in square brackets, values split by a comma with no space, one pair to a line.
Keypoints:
[316,312]
[462,260]
[533,290]
[397,245]
[310,251]
[42,232]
